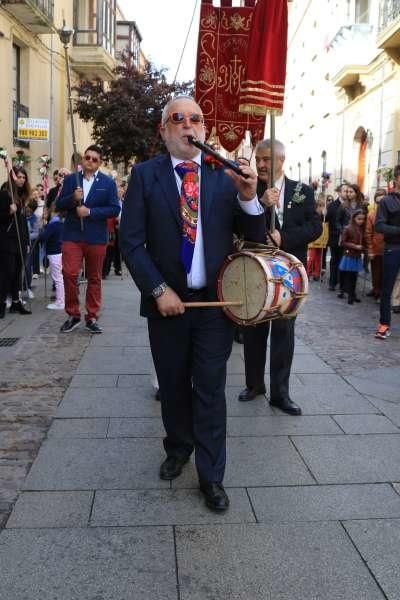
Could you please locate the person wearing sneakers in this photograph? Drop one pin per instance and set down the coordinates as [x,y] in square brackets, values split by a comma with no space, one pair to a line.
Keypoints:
[88,206]
[388,222]
[52,238]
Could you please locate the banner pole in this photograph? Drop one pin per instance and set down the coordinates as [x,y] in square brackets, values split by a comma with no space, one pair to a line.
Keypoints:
[272,171]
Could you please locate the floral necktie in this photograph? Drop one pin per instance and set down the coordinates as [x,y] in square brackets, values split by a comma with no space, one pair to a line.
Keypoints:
[189,205]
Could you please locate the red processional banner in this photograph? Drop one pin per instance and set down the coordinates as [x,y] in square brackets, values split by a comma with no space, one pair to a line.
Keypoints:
[221,68]
[263,87]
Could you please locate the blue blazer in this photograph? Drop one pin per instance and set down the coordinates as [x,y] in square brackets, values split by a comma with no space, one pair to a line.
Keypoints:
[103,203]
[151,226]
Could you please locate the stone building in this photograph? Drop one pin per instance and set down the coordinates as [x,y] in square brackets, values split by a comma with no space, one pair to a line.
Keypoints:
[342,104]
[33,73]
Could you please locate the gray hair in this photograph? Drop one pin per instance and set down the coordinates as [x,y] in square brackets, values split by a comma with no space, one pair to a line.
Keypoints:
[267,144]
[166,108]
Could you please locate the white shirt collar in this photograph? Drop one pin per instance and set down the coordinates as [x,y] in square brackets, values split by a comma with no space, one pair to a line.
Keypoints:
[92,177]
[176,161]
[279,182]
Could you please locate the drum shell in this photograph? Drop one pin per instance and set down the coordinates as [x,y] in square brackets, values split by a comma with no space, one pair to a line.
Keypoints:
[270,283]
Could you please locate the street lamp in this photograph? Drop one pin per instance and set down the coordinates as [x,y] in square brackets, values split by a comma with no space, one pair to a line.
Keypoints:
[65,35]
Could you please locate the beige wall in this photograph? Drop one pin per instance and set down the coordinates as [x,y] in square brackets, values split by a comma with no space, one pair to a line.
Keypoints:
[43,89]
[317,114]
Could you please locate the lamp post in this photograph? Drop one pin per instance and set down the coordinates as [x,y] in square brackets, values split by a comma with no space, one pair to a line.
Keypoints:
[65,35]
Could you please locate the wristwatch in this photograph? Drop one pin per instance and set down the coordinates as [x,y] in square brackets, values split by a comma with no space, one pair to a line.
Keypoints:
[159,290]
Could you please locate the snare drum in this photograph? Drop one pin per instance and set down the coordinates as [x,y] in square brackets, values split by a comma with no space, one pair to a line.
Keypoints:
[270,283]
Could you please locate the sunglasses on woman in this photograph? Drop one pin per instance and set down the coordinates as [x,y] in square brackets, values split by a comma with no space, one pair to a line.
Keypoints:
[179,117]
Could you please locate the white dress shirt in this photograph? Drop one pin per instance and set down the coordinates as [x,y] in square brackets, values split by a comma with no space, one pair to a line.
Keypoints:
[197,278]
[87,184]
[280,186]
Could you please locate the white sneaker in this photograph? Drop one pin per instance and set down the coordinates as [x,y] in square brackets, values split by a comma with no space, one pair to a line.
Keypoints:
[35,276]
[8,302]
[55,306]
[31,295]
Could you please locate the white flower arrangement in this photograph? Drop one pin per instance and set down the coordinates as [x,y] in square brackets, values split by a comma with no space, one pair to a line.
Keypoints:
[3,153]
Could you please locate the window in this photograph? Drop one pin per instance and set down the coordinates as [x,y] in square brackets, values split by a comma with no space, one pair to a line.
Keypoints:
[362,11]
[19,110]
[94,23]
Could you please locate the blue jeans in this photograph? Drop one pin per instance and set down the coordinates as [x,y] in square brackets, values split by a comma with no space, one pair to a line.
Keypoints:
[391,266]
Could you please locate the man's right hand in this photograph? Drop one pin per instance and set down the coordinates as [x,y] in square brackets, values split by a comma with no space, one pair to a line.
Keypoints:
[169,304]
[78,195]
[270,197]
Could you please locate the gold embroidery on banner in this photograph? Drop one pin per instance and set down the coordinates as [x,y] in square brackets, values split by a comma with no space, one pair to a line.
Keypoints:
[231,132]
[230,76]
[207,74]
[236,22]
[210,21]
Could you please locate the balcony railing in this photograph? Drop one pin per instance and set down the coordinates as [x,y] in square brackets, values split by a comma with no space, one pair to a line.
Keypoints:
[37,15]
[389,12]
[19,111]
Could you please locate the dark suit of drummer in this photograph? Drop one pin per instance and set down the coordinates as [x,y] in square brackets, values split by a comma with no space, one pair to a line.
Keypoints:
[297,224]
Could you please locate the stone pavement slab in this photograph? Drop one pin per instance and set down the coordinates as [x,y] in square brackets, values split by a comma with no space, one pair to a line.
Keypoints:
[257,407]
[351,458]
[111,564]
[78,428]
[108,402]
[137,427]
[94,381]
[317,400]
[256,461]
[278,425]
[166,507]
[51,509]
[116,360]
[363,424]
[271,562]
[390,408]
[379,544]
[87,464]
[325,502]
[125,340]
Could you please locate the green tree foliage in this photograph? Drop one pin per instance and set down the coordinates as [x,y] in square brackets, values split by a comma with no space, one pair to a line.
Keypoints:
[126,113]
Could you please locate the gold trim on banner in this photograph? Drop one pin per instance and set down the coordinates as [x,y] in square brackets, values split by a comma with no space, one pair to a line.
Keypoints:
[260,81]
[243,90]
[258,110]
[263,98]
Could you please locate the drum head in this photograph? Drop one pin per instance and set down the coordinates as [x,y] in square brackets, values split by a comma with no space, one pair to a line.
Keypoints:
[244,279]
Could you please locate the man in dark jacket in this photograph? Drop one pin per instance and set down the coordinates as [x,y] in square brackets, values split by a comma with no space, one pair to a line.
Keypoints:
[297,224]
[388,222]
[332,218]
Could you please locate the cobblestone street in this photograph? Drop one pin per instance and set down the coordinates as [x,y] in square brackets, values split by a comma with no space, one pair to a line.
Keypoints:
[93,520]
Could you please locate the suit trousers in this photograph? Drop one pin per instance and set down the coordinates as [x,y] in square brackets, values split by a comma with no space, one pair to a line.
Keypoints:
[334,273]
[73,254]
[281,355]
[190,353]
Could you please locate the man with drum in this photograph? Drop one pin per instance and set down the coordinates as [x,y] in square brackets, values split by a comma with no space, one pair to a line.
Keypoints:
[176,231]
[297,224]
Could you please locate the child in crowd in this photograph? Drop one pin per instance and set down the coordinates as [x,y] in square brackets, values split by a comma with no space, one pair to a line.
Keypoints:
[351,263]
[316,248]
[52,236]
[33,228]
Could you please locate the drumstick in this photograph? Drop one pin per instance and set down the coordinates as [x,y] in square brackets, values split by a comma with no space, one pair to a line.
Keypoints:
[211,304]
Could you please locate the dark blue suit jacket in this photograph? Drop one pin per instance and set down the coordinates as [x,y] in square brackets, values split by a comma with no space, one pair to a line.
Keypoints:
[150,230]
[103,203]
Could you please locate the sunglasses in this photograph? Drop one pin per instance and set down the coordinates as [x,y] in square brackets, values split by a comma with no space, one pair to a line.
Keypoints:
[179,117]
[92,158]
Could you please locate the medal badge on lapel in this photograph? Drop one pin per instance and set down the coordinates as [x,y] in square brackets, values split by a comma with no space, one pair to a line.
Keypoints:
[297,198]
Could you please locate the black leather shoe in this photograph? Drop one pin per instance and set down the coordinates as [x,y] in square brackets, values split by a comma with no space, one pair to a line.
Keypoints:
[251,393]
[287,405]
[340,295]
[2,310]
[215,496]
[157,396]
[18,307]
[172,467]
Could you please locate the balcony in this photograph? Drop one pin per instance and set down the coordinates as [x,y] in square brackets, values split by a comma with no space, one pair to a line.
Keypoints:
[93,52]
[36,15]
[19,110]
[389,28]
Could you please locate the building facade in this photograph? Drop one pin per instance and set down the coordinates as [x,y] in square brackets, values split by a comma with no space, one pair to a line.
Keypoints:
[342,101]
[33,72]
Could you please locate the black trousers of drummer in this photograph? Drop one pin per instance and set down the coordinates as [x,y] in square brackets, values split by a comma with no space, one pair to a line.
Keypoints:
[301,225]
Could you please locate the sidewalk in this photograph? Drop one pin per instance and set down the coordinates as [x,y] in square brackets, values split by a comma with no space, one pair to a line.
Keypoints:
[315,507]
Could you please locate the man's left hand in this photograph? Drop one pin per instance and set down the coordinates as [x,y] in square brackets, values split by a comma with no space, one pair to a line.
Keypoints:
[82,211]
[247,188]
